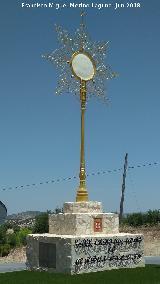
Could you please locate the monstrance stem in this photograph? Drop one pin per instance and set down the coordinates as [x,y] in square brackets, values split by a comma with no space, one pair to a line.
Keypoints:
[82,194]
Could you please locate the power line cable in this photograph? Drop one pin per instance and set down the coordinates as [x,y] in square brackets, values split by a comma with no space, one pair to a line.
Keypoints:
[75,177]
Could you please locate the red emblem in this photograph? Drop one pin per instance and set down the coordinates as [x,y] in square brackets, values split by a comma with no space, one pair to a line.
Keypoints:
[97,224]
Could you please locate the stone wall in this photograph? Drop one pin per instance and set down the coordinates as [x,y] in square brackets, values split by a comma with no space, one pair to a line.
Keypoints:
[84,254]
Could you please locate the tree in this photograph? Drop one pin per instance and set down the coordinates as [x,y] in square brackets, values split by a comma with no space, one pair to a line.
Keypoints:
[3,230]
[22,234]
[41,224]
[12,239]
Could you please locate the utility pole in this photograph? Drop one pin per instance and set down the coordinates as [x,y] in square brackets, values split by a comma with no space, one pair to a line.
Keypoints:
[123,187]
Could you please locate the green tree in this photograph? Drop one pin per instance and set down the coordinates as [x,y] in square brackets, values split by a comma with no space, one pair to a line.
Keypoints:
[41,224]
[12,239]
[3,230]
[153,217]
[4,250]
[22,234]
[58,210]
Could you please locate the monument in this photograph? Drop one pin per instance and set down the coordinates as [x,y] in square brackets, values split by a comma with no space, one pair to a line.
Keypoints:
[83,239]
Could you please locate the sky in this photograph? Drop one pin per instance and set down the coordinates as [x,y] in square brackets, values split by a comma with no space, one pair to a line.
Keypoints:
[40,132]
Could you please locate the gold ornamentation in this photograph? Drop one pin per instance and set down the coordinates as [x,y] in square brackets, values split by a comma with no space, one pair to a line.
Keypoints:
[63,58]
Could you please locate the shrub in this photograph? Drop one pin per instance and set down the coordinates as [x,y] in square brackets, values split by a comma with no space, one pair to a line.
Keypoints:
[58,210]
[152,217]
[41,224]
[3,230]
[22,234]
[12,239]
[4,250]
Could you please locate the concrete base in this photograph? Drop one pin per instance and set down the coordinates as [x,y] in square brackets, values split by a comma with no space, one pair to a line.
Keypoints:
[83,239]
[84,253]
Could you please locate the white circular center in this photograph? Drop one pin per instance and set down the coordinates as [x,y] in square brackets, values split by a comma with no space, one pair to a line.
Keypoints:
[83,66]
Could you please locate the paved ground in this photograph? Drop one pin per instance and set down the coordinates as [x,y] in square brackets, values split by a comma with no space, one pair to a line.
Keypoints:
[152,259]
[12,266]
[15,266]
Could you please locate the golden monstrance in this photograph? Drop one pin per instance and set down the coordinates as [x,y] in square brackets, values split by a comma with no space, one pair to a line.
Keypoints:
[82,72]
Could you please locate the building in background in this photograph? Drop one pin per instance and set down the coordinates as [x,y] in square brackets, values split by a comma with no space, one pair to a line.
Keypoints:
[3,213]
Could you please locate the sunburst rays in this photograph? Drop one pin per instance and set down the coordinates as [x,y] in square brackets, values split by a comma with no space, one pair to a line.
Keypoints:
[67,82]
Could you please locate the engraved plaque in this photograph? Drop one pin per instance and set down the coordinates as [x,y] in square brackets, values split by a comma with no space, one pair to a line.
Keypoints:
[47,255]
[97,224]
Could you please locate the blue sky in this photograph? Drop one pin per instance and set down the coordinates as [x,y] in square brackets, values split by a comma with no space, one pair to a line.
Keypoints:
[40,132]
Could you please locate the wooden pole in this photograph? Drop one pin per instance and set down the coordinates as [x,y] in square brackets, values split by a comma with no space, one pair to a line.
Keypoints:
[123,187]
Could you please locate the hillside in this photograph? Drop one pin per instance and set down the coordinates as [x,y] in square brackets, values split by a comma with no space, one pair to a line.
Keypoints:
[23,219]
[24,215]
[151,237]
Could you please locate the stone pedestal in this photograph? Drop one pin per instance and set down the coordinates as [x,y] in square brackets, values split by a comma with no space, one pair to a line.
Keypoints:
[83,218]
[83,239]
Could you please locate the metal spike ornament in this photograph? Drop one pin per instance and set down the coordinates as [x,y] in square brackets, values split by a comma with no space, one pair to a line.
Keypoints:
[83,73]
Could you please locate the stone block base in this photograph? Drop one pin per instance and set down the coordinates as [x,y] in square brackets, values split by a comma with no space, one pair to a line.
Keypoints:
[83,223]
[84,253]
[83,218]
[82,207]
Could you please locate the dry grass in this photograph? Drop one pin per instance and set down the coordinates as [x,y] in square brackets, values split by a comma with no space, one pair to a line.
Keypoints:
[151,238]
